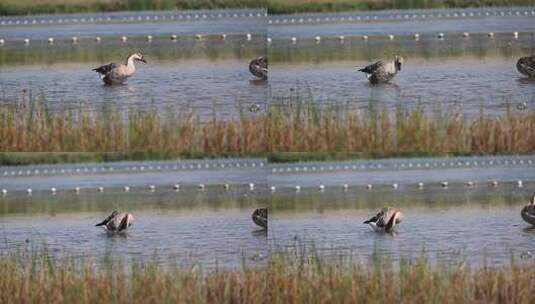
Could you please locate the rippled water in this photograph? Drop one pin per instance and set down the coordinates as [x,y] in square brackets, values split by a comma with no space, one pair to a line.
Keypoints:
[212,78]
[406,27]
[116,24]
[406,173]
[208,76]
[471,74]
[478,226]
[213,224]
[184,227]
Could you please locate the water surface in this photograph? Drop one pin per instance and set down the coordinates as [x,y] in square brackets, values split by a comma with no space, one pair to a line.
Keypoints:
[187,227]
[206,75]
[477,226]
[471,74]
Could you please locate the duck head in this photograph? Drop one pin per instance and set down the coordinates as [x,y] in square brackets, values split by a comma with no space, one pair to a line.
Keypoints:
[137,57]
[398,61]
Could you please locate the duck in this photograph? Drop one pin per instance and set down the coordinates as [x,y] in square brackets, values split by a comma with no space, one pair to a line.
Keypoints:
[260,217]
[528,212]
[259,67]
[113,73]
[385,220]
[526,66]
[117,222]
[381,72]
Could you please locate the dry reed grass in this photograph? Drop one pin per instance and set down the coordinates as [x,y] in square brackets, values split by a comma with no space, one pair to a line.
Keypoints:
[32,127]
[35,278]
[295,126]
[383,132]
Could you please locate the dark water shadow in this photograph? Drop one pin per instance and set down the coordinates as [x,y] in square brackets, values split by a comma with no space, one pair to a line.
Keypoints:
[392,85]
[526,80]
[257,81]
[260,233]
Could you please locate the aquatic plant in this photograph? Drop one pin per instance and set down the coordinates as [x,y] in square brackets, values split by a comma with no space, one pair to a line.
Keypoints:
[27,277]
[298,124]
[30,125]
[294,124]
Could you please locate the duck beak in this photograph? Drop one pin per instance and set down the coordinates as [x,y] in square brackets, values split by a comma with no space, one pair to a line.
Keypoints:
[143,60]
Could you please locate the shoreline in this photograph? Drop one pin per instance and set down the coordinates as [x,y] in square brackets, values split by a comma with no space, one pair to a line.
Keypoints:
[19,159]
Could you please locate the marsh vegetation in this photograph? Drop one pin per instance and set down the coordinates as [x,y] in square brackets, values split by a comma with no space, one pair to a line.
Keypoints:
[13,7]
[288,125]
[36,277]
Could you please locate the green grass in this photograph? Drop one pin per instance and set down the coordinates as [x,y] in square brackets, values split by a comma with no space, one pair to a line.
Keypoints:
[32,158]
[38,277]
[310,6]
[24,7]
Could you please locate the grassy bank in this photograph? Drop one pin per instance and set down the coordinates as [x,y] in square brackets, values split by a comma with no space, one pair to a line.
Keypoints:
[32,158]
[29,278]
[295,125]
[24,7]
[311,6]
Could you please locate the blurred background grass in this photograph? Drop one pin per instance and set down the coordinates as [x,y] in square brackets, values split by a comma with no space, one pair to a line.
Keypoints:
[24,7]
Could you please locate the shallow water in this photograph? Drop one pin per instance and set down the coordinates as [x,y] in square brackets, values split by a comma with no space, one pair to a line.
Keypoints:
[161,174]
[213,224]
[403,22]
[133,24]
[189,227]
[211,78]
[477,226]
[467,74]
[207,76]
[471,73]
[406,173]
[521,24]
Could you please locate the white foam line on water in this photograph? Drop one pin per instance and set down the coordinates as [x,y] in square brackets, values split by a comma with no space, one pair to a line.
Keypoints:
[131,17]
[414,37]
[400,15]
[518,170]
[406,164]
[398,173]
[151,188]
[130,167]
[147,38]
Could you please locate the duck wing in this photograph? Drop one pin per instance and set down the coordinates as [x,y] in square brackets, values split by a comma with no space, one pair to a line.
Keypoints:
[259,67]
[260,217]
[374,67]
[108,219]
[528,214]
[526,66]
[124,223]
[105,69]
